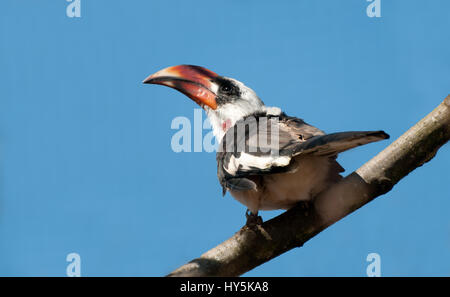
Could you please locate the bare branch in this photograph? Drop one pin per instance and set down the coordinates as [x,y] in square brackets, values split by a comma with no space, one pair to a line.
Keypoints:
[249,248]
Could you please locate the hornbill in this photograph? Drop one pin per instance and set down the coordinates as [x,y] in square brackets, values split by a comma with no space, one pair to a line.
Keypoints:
[266,159]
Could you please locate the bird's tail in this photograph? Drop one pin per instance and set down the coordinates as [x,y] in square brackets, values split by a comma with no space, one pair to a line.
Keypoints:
[332,144]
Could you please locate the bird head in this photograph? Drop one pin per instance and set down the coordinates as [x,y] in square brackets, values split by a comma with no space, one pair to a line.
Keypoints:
[225,100]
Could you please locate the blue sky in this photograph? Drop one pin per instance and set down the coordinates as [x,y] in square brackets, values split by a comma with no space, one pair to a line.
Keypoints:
[85,159]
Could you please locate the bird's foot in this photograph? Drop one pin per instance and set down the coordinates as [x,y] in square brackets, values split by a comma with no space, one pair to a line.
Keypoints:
[253,220]
[305,206]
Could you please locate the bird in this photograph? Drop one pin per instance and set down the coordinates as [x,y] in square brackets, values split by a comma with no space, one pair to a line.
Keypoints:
[266,159]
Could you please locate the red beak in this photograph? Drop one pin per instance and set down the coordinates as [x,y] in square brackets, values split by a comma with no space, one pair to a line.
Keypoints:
[194,81]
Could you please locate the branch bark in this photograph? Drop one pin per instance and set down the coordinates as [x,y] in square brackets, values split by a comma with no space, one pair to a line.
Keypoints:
[249,248]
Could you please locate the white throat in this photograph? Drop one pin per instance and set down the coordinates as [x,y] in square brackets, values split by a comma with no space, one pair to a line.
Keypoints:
[227,115]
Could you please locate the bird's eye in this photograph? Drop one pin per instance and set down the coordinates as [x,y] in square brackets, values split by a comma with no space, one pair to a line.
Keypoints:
[226,88]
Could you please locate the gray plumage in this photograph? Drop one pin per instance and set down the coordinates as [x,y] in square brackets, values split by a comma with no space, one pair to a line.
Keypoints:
[305,152]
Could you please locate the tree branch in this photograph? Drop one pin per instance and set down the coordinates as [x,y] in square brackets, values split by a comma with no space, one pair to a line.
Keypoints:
[249,248]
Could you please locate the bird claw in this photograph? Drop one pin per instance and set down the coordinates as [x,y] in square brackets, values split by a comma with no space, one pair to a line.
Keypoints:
[253,220]
[305,205]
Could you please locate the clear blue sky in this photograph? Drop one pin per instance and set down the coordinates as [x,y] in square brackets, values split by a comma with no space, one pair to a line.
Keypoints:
[85,159]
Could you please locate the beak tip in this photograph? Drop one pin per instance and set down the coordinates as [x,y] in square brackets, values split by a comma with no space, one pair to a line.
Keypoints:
[148,80]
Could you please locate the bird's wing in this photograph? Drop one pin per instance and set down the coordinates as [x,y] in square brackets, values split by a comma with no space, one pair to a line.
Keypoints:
[269,144]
